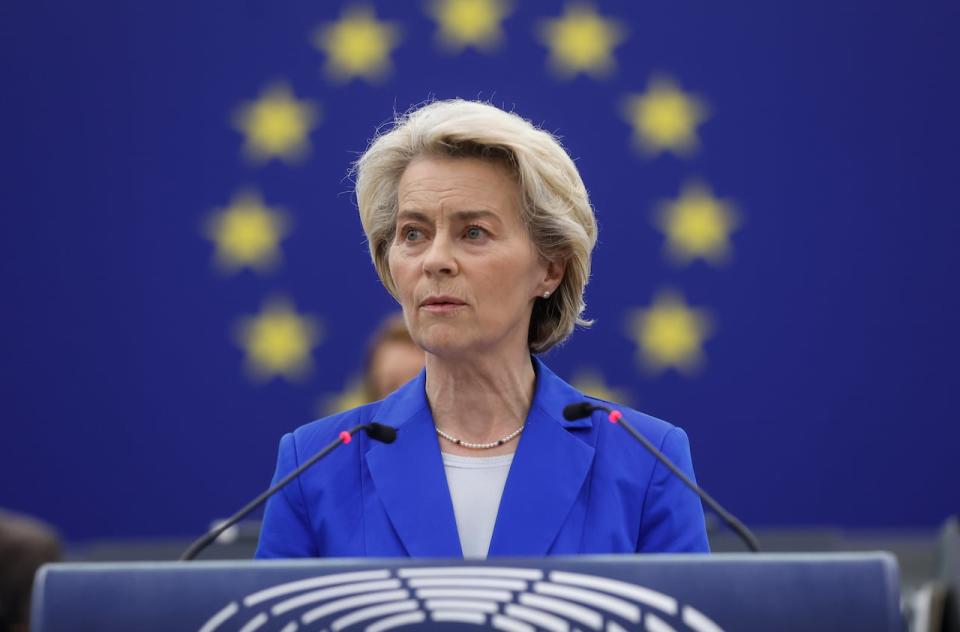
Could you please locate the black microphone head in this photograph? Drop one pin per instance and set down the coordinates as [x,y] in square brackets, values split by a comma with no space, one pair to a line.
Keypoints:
[579,410]
[381,433]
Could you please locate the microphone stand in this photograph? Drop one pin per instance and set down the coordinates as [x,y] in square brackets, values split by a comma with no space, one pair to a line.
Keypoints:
[376,431]
[615,416]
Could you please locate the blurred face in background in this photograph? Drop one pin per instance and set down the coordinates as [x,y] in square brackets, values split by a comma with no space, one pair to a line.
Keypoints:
[463,265]
[393,364]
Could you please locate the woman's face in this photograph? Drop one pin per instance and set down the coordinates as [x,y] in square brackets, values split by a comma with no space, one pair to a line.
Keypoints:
[465,270]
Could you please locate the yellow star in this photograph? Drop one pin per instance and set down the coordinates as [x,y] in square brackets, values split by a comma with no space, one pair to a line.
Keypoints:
[353,395]
[665,118]
[357,45]
[469,22]
[590,382]
[276,125]
[697,225]
[582,41]
[669,334]
[278,341]
[247,233]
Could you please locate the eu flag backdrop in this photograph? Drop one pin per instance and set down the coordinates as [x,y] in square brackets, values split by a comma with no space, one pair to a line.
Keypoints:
[185,276]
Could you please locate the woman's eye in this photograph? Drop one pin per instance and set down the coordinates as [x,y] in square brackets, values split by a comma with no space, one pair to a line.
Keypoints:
[411,234]
[475,232]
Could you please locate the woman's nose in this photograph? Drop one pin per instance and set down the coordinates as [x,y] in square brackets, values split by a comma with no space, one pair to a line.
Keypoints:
[439,258]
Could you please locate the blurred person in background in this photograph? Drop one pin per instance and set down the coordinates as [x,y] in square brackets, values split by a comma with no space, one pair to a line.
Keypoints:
[25,545]
[392,360]
[480,226]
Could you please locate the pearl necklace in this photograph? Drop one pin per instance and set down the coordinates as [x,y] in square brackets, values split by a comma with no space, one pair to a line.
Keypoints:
[479,446]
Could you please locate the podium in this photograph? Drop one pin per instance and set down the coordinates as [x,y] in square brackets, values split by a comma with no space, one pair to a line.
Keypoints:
[656,593]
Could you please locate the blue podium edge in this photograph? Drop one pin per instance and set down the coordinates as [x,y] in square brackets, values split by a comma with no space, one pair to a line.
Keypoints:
[886,560]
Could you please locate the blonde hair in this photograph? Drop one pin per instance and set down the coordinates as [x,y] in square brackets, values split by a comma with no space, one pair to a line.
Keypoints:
[555,207]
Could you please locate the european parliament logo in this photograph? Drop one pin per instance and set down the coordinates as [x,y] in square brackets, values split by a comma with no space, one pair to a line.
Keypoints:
[486,597]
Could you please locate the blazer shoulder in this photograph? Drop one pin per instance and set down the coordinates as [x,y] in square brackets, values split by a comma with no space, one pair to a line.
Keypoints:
[311,436]
[651,427]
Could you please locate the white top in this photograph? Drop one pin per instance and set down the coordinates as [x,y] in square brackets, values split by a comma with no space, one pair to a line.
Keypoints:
[476,485]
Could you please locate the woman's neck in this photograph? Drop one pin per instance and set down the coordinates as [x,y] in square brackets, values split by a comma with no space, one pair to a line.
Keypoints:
[480,401]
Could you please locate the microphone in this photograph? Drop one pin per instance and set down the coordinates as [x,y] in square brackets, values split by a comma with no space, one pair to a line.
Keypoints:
[585,409]
[381,433]
[377,432]
[578,411]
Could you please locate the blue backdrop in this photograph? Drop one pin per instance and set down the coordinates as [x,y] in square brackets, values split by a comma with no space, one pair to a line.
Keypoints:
[185,276]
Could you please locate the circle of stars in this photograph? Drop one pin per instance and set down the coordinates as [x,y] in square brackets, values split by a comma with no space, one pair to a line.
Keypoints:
[247,233]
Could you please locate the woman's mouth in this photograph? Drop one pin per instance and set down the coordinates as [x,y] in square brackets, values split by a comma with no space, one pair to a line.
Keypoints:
[442,304]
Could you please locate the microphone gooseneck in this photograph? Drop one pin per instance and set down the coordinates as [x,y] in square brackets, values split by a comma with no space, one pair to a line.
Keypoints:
[377,432]
[580,410]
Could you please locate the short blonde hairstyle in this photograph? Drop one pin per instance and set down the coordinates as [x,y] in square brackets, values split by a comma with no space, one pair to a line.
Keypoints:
[555,207]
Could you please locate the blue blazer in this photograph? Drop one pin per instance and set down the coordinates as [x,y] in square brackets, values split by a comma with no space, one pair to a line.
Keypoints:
[573,487]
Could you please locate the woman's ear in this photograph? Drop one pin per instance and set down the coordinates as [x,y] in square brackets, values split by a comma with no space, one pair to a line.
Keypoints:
[556,268]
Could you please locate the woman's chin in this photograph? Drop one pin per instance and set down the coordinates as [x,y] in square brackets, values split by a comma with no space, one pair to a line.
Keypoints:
[445,341]
[446,349]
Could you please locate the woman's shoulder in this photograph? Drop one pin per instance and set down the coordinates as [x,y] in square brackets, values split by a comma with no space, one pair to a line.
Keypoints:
[623,453]
[653,428]
[554,393]
[313,435]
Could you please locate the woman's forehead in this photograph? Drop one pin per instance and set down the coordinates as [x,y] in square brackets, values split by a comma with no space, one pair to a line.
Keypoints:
[432,184]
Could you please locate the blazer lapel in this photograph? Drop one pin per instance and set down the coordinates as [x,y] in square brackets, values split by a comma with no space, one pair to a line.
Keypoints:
[409,476]
[548,470]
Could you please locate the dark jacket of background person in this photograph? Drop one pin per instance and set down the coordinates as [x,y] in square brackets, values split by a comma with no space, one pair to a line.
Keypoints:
[25,545]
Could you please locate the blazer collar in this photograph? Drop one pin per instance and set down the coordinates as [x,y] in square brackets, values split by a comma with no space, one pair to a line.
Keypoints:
[548,469]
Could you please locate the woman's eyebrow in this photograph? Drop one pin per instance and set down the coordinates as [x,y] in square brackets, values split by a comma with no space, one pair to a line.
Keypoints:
[460,216]
[468,216]
[416,216]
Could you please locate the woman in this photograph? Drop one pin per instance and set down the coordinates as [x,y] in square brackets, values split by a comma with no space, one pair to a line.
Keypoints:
[480,226]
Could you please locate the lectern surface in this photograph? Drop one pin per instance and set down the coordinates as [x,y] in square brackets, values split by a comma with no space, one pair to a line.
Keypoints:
[657,593]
